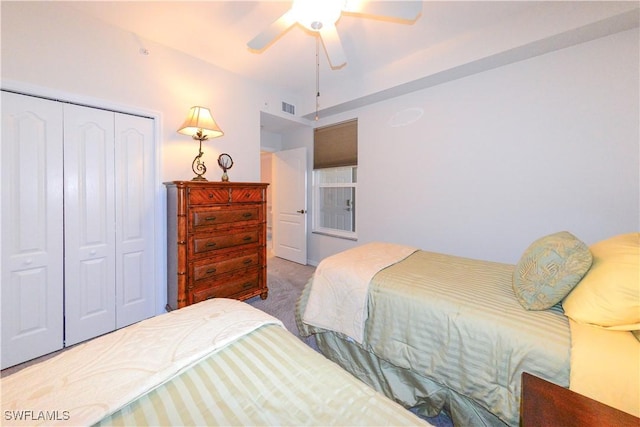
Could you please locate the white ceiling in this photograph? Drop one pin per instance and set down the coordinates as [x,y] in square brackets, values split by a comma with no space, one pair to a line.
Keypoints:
[217,32]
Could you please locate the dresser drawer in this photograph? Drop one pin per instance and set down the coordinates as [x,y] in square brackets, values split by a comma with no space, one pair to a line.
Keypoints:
[234,287]
[210,269]
[246,195]
[205,243]
[203,217]
[207,196]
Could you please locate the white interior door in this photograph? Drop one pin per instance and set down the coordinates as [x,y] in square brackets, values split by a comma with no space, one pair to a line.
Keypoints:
[135,234]
[290,204]
[32,233]
[89,223]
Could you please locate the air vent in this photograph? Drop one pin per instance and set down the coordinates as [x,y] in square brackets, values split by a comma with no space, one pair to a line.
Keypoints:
[288,108]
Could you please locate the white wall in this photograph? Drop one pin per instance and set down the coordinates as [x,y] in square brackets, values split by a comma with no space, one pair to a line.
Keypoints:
[49,49]
[270,141]
[81,56]
[501,158]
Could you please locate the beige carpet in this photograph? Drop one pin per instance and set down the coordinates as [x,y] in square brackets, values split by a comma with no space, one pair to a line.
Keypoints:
[285,280]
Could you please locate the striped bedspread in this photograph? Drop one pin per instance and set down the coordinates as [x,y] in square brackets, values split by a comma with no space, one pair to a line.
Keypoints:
[456,321]
[267,378]
[91,380]
[338,295]
[218,362]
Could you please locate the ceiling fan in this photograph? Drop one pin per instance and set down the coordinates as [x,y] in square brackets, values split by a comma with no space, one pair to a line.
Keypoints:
[321,16]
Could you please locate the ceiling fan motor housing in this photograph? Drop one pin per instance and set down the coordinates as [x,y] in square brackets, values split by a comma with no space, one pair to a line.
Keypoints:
[321,16]
[315,15]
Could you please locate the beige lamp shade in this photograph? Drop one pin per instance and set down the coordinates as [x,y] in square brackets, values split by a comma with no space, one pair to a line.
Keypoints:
[200,119]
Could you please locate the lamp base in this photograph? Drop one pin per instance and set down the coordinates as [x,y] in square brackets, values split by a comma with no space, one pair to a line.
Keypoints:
[197,166]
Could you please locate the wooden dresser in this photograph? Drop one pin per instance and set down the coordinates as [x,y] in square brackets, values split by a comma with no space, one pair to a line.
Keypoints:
[216,236]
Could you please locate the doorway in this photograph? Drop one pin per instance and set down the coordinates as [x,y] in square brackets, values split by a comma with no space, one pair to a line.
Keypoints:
[266,175]
[277,137]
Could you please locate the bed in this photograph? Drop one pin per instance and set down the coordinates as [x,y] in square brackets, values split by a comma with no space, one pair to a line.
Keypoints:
[218,362]
[435,331]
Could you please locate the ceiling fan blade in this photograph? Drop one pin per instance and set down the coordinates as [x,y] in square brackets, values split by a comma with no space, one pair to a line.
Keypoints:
[273,31]
[402,10]
[333,46]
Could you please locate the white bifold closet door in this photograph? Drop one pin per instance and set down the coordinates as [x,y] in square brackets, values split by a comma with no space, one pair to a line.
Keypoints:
[32,233]
[135,230]
[90,226]
[78,238]
[108,205]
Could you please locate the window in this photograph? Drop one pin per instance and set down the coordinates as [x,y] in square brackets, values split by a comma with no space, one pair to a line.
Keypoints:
[335,180]
[335,201]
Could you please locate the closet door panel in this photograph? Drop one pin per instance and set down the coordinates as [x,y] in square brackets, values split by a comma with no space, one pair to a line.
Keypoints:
[89,223]
[135,233]
[32,233]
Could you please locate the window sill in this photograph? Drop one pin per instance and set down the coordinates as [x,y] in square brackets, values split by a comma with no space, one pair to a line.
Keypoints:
[336,235]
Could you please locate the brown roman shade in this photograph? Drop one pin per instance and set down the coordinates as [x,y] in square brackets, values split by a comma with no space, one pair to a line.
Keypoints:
[336,145]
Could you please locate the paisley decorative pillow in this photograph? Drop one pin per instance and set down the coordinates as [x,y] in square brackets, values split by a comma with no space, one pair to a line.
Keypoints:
[549,269]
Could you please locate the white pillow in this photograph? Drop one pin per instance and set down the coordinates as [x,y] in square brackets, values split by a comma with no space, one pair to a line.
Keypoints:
[609,294]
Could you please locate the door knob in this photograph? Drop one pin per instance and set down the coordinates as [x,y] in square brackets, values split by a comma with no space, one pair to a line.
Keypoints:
[301,211]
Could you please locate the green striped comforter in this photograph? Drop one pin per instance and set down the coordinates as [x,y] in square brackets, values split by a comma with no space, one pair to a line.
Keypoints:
[269,378]
[443,321]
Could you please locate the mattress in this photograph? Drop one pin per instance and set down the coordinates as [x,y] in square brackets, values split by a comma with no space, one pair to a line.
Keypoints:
[439,322]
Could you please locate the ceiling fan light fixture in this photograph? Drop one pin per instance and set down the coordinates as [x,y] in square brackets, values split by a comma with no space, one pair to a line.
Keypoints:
[321,16]
[316,14]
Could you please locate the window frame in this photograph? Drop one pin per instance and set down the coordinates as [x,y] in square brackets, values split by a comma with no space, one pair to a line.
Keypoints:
[316,228]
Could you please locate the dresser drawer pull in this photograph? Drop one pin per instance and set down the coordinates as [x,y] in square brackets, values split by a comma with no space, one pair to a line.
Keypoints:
[210,218]
[247,261]
[247,285]
[247,215]
[247,238]
[211,244]
[211,271]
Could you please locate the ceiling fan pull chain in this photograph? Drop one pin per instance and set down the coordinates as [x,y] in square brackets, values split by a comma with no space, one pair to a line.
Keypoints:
[317,75]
